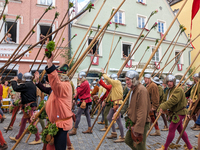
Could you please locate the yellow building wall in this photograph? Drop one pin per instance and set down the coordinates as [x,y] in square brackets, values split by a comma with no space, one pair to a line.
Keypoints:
[185,19]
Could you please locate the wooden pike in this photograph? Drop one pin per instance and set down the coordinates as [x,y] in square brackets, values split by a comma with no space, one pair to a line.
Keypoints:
[8,62]
[96,118]
[190,75]
[17,61]
[173,67]
[170,53]
[174,90]
[42,40]
[4,7]
[141,59]
[43,43]
[86,33]
[176,56]
[110,50]
[140,76]
[12,118]
[23,134]
[94,39]
[166,50]
[31,133]
[187,120]
[113,51]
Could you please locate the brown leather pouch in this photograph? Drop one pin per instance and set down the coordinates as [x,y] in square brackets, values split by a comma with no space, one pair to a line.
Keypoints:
[27,115]
[136,139]
[83,104]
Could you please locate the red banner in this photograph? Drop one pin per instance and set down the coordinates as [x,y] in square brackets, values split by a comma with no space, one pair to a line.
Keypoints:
[129,64]
[95,61]
[179,67]
[157,65]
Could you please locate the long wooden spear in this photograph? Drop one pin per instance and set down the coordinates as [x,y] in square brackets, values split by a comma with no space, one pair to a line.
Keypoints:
[43,39]
[8,62]
[113,51]
[4,20]
[176,56]
[26,130]
[142,57]
[55,17]
[94,39]
[140,76]
[86,33]
[4,7]
[174,90]
[166,51]
[31,133]
[173,67]
[18,17]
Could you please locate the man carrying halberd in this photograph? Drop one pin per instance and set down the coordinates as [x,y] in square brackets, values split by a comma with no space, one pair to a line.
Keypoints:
[138,120]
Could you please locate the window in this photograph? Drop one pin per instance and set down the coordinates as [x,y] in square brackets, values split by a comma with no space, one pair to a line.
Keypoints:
[46,2]
[156,57]
[94,49]
[179,61]
[118,18]
[126,49]
[141,21]
[13,32]
[161,27]
[43,30]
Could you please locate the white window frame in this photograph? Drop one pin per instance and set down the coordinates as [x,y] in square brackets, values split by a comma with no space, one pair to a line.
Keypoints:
[44,24]
[181,59]
[100,47]
[160,53]
[138,15]
[128,43]
[123,16]
[144,1]
[164,22]
[54,3]
[18,22]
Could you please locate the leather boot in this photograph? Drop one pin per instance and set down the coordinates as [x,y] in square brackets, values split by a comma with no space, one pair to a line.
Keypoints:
[5,146]
[157,133]
[165,128]
[162,148]
[194,126]
[113,135]
[197,136]
[104,129]
[197,128]
[73,131]
[35,142]
[89,131]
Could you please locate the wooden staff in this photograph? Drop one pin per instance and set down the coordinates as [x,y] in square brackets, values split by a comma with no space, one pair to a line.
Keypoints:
[173,67]
[4,7]
[176,56]
[188,89]
[174,90]
[96,118]
[17,61]
[190,75]
[43,42]
[187,120]
[94,39]
[86,33]
[166,51]
[43,39]
[141,59]
[170,53]
[18,107]
[26,130]
[9,30]
[192,100]
[4,20]
[26,38]
[31,133]
[113,51]
[140,76]
[95,54]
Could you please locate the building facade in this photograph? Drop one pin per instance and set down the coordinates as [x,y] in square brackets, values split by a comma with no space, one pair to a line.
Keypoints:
[30,11]
[185,18]
[131,19]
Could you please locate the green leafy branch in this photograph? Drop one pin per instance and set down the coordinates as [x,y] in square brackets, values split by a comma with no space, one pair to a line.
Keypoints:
[90,7]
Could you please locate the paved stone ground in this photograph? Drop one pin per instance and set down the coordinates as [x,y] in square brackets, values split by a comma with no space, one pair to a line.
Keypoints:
[90,141]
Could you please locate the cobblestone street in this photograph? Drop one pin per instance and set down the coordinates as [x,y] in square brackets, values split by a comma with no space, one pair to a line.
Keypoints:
[90,141]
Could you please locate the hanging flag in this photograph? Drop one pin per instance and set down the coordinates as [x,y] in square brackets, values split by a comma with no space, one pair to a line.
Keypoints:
[195,9]
[180,67]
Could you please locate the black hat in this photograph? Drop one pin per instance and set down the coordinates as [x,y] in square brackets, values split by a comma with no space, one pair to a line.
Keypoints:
[20,75]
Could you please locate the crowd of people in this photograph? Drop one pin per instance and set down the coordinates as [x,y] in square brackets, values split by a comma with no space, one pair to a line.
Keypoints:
[59,97]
